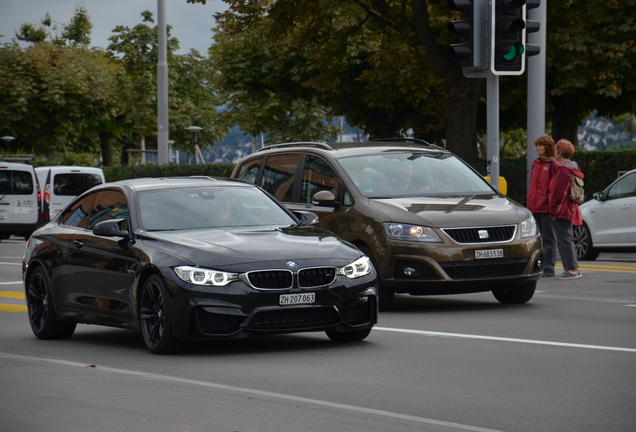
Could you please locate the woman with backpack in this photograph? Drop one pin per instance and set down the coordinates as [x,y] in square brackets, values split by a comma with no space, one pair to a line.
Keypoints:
[563,210]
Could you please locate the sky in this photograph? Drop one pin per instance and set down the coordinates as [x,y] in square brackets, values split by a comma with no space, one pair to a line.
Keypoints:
[191,23]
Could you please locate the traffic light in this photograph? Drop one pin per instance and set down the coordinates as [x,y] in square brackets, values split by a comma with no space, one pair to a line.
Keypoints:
[508,35]
[472,30]
[532,27]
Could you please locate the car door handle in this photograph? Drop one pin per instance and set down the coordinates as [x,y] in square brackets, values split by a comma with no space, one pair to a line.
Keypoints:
[78,243]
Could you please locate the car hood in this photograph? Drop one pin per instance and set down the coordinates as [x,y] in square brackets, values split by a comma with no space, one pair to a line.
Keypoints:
[225,247]
[452,211]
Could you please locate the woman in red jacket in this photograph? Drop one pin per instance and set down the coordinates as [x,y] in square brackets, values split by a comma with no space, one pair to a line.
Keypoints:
[538,199]
[563,211]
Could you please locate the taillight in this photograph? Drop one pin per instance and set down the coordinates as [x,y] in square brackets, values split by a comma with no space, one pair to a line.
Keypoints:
[47,194]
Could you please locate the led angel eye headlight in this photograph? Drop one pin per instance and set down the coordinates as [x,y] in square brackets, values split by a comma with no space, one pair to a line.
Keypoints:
[358,268]
[201,276]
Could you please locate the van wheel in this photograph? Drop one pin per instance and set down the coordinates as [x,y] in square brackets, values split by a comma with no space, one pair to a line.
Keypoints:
[516,294]
[385,295]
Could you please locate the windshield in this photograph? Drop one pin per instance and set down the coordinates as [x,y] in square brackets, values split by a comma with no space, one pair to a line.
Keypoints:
[209,207]
[397,174]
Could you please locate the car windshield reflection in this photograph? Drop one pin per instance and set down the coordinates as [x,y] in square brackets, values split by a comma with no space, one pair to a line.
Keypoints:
[396,174]
[209,207]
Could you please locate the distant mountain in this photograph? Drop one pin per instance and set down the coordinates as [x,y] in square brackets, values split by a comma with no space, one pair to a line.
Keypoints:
[598,133]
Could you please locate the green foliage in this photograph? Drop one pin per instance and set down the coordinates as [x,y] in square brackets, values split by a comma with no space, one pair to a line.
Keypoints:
[52,92]
[139,171]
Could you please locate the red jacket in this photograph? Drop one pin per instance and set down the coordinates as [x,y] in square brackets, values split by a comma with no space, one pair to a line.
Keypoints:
[561,206]
[538,197]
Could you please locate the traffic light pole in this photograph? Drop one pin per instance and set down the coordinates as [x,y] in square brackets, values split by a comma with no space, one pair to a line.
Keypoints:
[536,86]
[492,127]
[163,126]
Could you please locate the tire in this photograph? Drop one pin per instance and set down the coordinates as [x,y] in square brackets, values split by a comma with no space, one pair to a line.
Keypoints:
[517,294]
[350,336]
[583,244]
[155,318]
[41,309]
[385,295]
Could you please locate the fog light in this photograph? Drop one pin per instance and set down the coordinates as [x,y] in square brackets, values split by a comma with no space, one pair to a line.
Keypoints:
[410,271]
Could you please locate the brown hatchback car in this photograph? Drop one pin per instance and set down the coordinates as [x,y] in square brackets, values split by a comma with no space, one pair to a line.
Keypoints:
[429,222]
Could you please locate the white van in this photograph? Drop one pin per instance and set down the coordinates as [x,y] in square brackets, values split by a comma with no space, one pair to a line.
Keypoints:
[19,207]
[60,184]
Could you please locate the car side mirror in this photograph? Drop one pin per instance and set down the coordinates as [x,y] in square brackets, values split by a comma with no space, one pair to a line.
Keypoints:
[324,198]
[307,218]
[598,196]
[112,228]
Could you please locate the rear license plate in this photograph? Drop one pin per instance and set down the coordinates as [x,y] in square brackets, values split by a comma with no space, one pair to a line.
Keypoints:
[296,299]
[492,253]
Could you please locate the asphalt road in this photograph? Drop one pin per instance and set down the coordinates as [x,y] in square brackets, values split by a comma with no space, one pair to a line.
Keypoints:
[563,362]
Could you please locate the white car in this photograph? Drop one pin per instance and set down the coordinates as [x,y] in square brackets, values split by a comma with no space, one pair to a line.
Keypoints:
[609,220]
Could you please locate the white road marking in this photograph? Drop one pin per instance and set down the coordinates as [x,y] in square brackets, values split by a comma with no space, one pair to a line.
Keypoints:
[503,339]
[451,425]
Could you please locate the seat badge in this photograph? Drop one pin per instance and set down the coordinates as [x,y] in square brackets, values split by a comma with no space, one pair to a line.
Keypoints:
[292,264]
[483,234]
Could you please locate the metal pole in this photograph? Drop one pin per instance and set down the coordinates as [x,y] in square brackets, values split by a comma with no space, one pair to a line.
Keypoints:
[163,125]
[536,86]
[492,126]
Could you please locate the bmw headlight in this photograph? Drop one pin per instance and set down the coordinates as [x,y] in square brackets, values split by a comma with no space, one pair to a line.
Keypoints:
[407,232]
[529,227]
[358,268]
[201,276]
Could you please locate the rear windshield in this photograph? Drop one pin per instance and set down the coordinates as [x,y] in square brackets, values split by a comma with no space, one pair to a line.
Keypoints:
[73,184]
[16,183]
[395,174]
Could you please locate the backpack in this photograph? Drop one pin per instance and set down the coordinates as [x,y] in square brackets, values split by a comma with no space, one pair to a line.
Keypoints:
[577,194]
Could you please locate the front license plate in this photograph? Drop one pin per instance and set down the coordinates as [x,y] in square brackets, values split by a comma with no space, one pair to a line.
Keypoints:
[492,253]
[296,299]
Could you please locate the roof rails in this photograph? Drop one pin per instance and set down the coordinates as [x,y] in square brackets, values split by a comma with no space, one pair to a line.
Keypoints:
[17,158]
[321,145]
[203,177]
[412,140]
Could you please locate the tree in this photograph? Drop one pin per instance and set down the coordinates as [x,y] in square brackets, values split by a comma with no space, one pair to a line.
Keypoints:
[364,57]
[52,92]
[376,62]
[591,57]
[263,107]
[191,99]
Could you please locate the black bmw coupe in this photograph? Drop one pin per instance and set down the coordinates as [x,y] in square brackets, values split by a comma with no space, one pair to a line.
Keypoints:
[193,258]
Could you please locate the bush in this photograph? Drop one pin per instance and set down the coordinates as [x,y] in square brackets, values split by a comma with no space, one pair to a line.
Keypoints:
[138,171]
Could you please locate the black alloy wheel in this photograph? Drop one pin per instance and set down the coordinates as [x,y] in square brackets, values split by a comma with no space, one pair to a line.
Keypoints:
[583,244]
[41,310]
[155,318]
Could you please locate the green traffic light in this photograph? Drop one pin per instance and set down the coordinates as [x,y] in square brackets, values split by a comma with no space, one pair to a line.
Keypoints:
[515,50]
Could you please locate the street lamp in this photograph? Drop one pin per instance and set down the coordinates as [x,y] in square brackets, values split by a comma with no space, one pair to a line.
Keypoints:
[194,130]
[8,140]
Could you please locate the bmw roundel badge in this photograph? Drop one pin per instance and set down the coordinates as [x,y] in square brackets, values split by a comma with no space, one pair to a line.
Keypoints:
[292,264]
